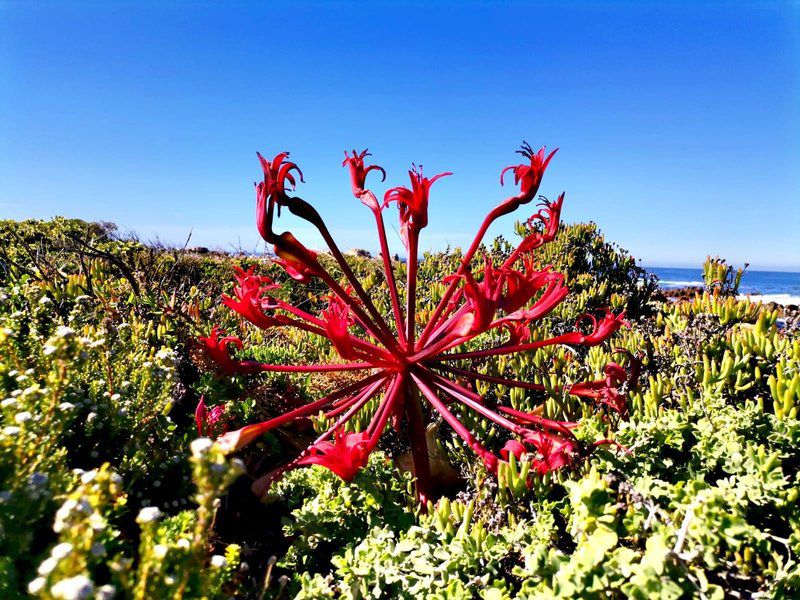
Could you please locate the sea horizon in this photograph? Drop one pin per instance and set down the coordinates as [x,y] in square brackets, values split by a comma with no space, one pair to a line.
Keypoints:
[782,287]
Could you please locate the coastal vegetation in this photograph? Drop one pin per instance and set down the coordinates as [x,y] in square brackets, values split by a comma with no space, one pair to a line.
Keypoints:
[652,450]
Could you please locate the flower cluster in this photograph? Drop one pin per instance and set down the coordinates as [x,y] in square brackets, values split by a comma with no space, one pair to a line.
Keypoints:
[413,371]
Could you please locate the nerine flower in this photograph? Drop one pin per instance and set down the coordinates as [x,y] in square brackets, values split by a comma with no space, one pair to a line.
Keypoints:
[251,300]
[359,172]
[209,422]
[412,203]
[415,375]
[346,456]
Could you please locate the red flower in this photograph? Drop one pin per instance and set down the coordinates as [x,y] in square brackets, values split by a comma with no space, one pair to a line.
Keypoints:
[403,369]
[218,350]
[277,173]
[212,422]
[529,177]
[553,451]
[412,203]
[550,217]
[346,456]
[601,330]
[518,331]
[358,172]
[251,300]
[337,320]
[299,262]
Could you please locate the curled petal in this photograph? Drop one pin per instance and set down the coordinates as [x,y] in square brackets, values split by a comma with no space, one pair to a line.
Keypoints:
[359,172]
[527,176]
[413,203]
[337,319]
[346,456]
[251,299]
[217,349]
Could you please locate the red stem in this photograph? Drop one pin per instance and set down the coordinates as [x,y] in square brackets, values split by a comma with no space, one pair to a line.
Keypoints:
[379,322]
[387,267]
[440,308]
[561,339]
[492,379]
[368,392]
[384,411]
[311,368]
[459,427]
[411,288]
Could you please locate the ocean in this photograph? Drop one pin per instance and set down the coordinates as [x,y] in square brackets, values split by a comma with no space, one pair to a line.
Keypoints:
[766,286]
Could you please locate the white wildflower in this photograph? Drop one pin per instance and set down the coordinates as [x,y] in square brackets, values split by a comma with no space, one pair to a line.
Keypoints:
[65,332]
[201,446]
[106,592]
[183,544]
[160,550]
[23,417]
[218,561]
[149,514]
[66,406]
[36,586]
[74,588]
[61,550]
[8,403]
[11,430]
[47,566]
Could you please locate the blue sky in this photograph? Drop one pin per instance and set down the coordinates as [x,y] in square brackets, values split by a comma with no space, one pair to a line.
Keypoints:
[678,122]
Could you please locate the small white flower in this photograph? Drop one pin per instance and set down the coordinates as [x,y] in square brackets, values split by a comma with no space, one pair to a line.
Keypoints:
[218,561]
[8,403]
[79,587]
[89,476]
[115,397]
[47,566]
[66,406]
[160,550]
[13,373]
[11,430]
[23,417]
[48,349]
[97,522]
[183,544]
[91,417]
[44,300]
[65,332]
[149,514]
[61,550]
[169,580]
[201,446]
[37,585]
[106,592]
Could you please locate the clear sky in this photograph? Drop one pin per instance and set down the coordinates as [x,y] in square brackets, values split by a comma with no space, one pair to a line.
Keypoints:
[678,122]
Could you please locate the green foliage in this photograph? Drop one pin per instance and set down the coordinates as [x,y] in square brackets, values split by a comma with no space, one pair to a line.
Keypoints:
[99,485]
